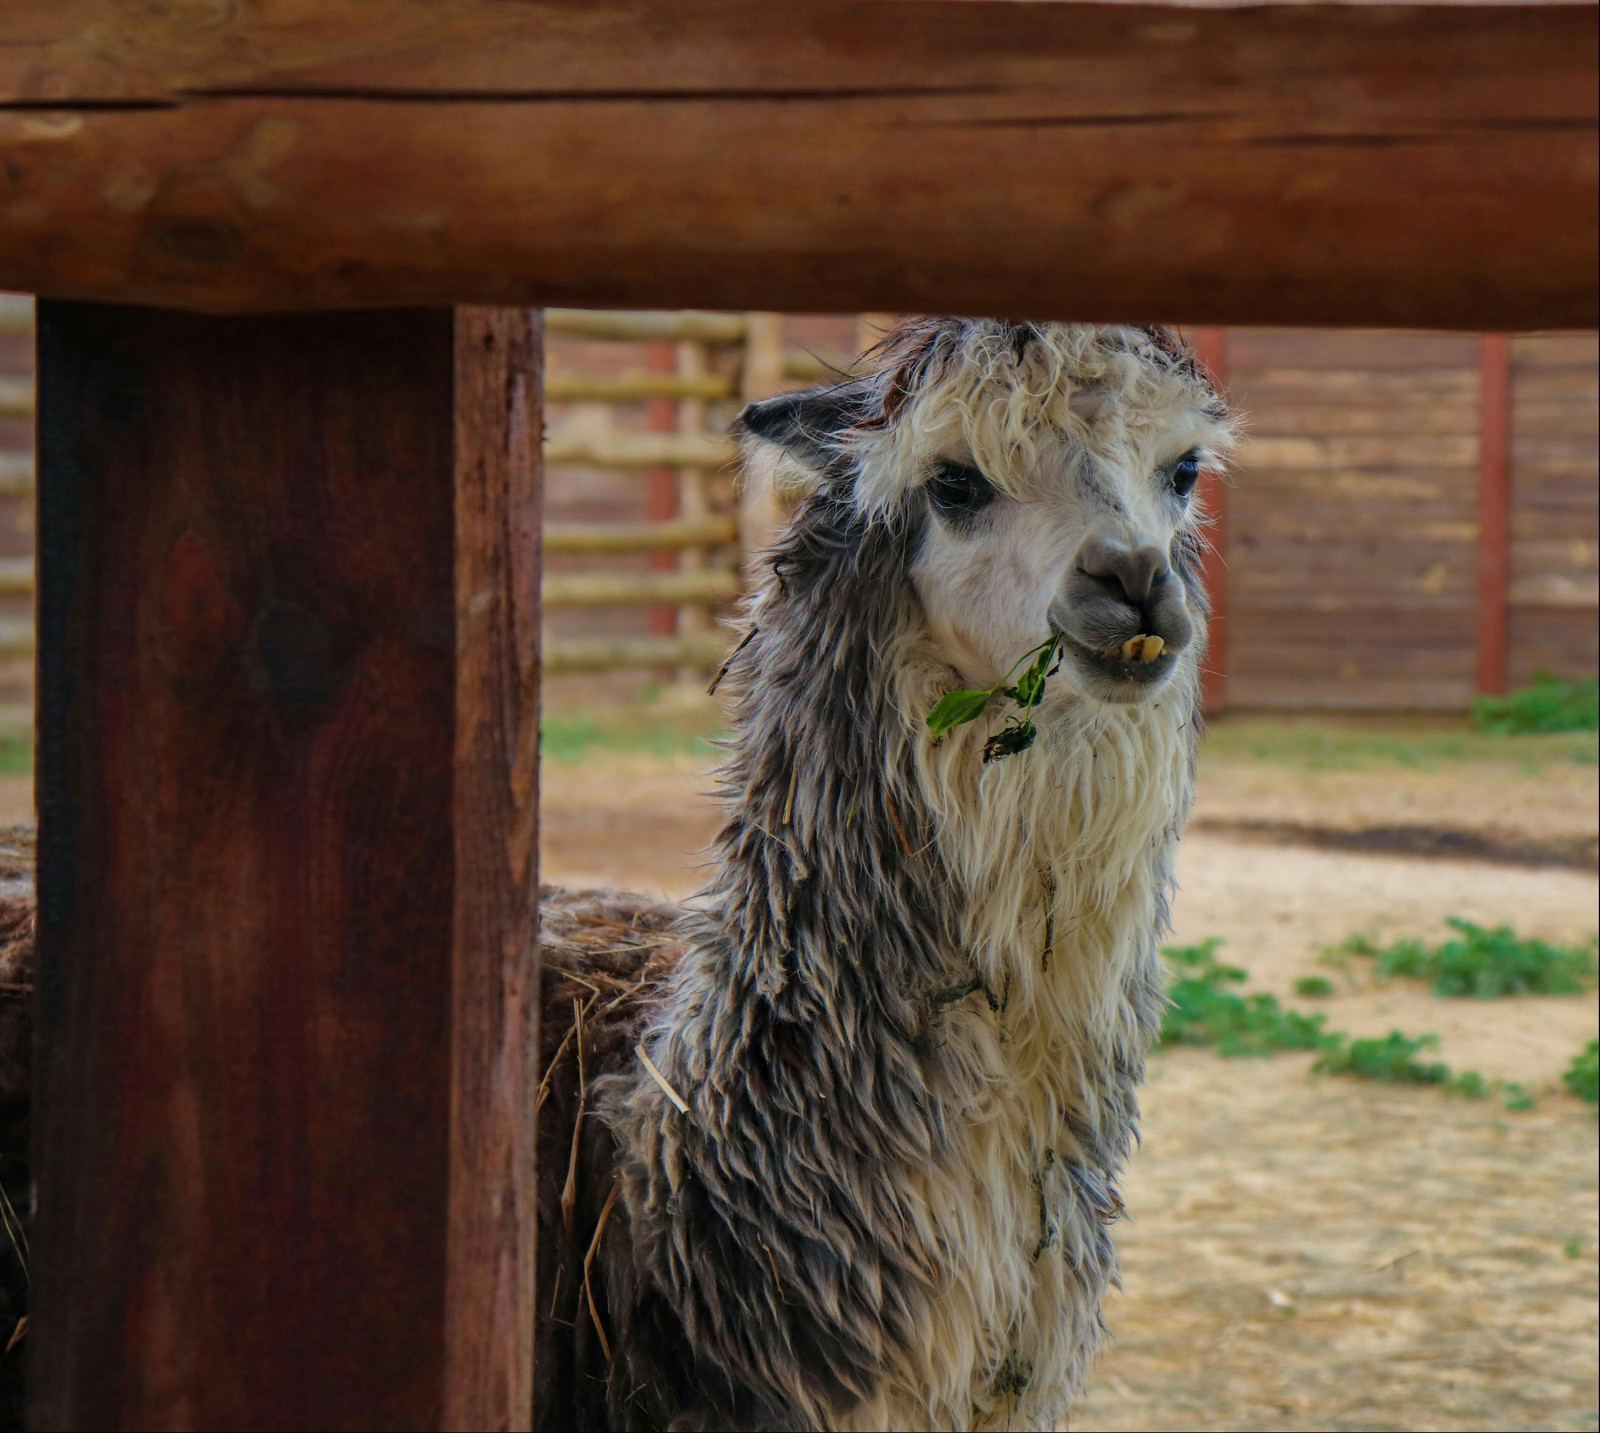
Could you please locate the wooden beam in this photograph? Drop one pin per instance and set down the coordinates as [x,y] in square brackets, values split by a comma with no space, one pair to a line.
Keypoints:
[1494,514]
[1211,348]
[1053,159]
[287,870]
[489,1316]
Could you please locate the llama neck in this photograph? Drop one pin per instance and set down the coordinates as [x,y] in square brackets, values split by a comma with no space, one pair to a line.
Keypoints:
[838,1022]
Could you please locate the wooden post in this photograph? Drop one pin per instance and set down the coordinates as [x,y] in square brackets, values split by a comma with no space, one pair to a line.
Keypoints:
[661,483]
[1494,513]
[1211,348]
[287,869]
[694,497]
[760,513]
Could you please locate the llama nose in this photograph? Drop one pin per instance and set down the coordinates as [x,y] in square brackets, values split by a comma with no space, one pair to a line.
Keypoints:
[1121,570]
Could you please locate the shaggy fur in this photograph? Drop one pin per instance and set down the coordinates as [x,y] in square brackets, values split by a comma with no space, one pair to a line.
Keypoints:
[909,1014]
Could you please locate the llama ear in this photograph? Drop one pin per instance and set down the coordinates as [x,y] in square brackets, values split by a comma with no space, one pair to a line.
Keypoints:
[790,440]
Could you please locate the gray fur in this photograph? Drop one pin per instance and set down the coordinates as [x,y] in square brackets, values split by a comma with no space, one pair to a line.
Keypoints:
[763,1265]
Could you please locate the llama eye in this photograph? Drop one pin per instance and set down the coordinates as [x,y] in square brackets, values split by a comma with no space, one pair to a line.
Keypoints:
[959,490]
[1186,473]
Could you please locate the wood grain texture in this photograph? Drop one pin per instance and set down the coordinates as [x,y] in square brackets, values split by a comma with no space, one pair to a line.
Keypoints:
[1403,165]
[488,1321]
[1354,519]
[1554,547]
[279,716]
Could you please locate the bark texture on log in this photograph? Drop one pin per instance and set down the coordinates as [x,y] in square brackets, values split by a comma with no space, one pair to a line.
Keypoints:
[1425,165]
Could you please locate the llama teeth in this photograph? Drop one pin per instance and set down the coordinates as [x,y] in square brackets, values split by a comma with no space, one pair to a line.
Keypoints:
[1142,648]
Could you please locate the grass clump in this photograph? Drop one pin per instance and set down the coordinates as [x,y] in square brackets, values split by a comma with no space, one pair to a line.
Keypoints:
[576,735]
[16,756]
[1313,987]
[1582,1076]
[1401,1059]
[1397,1059]
[1207,1010]
[1413,745]
[1484,963]
[1548,704]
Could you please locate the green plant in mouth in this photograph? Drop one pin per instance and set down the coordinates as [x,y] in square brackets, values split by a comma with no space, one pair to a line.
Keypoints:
[958,708]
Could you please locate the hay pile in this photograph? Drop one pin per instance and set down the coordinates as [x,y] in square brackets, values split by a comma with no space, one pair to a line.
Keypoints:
[17,910]
[603,953]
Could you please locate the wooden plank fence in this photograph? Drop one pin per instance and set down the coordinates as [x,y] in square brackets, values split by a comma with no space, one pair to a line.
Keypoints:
[1413,519]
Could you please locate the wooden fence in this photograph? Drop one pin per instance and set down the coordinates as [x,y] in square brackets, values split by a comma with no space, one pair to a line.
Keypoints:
[1413,518]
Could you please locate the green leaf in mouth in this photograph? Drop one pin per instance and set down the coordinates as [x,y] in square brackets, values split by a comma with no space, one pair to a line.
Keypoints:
[957,708]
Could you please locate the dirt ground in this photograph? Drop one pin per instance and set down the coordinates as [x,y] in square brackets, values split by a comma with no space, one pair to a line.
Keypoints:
[1309,1254]
[1304,1254]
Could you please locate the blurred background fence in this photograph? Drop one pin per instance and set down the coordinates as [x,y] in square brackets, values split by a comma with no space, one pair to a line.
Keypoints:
[1413,519]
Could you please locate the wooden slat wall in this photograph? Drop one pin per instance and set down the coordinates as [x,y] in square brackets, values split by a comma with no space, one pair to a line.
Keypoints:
[1555,400]
[1353,520]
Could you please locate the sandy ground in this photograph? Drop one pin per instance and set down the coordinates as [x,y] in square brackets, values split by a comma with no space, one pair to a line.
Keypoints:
[1304,1254]
[1308,1254]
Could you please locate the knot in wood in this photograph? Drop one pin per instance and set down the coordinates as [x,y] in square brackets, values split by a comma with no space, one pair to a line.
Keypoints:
[300,657]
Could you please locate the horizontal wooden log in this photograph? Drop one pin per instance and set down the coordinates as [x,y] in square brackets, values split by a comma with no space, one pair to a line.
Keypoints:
[634,387]
[805,367]
[1250,691]
[16,577]
[16,396]
[1555,589]
[617,537]
[1555,351]
[1383,352]
[1053,159]
[16,475]
[625,589]
[1396,419]
[16,637]
[1360,452]
[637,450]
[703,652]
[647,326]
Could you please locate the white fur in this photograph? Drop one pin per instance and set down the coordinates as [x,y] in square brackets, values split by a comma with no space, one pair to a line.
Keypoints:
[1087,821]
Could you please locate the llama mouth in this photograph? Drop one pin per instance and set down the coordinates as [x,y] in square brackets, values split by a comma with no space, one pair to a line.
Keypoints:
[1132,667]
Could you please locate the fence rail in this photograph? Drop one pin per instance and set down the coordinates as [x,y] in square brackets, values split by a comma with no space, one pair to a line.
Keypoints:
[562,387]
[700,651]
[645,326]
[620,537]
[638,450]
[628,589]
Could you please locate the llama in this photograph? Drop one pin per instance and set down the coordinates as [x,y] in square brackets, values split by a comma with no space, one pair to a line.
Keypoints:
[838,1144]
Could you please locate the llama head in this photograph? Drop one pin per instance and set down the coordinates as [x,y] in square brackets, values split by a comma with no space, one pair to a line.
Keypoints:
[1045,472]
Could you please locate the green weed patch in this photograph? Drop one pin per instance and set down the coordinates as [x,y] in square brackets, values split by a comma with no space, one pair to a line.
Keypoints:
[1582,1076]
[1208,1010]
[1483,963]
[1548,704]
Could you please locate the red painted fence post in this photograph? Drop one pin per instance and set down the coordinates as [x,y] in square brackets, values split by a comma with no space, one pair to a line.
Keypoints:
[1494,513]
